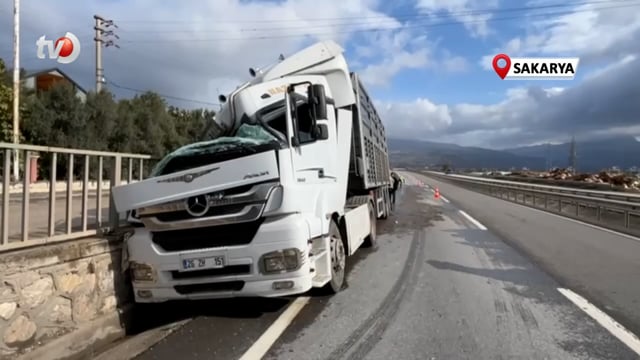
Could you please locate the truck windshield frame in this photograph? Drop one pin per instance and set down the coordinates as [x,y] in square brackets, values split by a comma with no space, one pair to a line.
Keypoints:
[273,117]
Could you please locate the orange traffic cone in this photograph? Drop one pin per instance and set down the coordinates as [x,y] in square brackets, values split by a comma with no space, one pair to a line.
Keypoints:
[436,194]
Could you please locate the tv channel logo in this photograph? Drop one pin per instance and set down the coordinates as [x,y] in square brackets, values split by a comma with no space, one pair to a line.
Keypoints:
[65,50]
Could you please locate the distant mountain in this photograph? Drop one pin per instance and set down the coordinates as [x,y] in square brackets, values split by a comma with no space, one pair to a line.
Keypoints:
[407,153]
[594,155]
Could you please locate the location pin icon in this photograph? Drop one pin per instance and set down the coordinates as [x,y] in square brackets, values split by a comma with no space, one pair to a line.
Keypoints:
[501,71]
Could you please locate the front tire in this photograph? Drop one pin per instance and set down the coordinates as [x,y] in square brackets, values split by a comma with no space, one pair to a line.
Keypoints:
[338,259]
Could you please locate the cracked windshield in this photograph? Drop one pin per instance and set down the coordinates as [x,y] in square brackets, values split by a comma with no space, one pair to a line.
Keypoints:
[323,180]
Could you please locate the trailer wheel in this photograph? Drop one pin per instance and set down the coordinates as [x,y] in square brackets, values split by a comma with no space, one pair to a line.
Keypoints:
[387,207]
[338,259]
[370,241]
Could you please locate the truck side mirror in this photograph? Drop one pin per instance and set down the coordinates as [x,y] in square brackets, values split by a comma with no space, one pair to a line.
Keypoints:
[317,101]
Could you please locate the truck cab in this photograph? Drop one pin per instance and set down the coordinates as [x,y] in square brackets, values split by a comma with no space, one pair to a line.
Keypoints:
[262,210]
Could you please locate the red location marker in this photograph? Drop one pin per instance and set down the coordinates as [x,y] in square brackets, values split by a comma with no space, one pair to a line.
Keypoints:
[501,71]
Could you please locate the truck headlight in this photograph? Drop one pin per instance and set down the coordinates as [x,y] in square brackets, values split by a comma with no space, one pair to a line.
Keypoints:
[142,272]
[280,261]
[274,201]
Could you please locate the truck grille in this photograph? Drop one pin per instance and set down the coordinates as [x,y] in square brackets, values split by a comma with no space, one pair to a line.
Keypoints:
[238,205]
[215,211]
[207,237]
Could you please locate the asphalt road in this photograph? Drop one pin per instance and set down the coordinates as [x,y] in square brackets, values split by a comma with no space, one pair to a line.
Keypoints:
[601,265]
[438,286]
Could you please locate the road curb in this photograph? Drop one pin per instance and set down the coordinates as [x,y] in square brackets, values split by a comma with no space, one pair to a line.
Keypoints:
[138,344]
[86,341]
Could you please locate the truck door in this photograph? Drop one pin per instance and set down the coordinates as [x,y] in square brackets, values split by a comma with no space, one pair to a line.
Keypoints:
[314,160]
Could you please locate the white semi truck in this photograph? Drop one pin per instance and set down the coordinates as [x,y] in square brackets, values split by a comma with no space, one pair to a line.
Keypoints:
[274,206]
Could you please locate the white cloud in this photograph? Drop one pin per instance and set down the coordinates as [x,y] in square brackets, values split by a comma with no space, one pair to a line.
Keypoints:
[390,53]
[465,11]
[595,32]
[191,48]
[601,105]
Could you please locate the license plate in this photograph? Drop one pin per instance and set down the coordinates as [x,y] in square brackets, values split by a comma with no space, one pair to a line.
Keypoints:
[213,262]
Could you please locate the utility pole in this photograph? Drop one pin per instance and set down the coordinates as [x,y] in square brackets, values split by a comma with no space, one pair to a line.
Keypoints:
[16,88]
[573,154]
[101,39]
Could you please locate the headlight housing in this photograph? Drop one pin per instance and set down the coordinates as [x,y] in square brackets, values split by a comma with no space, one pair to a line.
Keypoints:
[280,261]
[142,272]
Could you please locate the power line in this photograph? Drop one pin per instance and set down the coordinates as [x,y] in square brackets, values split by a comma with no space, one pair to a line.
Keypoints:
[485,11]
[420,25]
[140,91]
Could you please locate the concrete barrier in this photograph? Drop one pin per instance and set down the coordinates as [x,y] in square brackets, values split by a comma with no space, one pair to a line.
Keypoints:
[59,299]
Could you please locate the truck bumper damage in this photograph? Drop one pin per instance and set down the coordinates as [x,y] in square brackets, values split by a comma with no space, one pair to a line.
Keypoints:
[273,263]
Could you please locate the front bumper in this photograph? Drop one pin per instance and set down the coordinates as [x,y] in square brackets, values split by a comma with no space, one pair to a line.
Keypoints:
[241,275]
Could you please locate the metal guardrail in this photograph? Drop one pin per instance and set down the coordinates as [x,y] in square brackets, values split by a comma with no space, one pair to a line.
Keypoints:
[613,210]
[48,229]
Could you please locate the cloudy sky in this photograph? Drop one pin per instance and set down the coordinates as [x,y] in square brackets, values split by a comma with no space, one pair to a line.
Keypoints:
[427,63]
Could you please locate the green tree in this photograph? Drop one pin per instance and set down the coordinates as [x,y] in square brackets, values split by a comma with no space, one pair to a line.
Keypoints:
[101,115]
[56,118]
[6,105]
[191,125]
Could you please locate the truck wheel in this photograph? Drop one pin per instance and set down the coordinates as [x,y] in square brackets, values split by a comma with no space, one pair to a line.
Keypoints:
[385,201]
[370,240]
[338,259]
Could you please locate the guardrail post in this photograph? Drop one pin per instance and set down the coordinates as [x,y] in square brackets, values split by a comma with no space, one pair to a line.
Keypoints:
[53,177]
[26,192]
[99,194]
[6,192]
[626,219]
[85,193]
[116,178]
[70,194]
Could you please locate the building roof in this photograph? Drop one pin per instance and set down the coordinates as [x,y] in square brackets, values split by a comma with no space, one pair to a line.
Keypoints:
[49,70]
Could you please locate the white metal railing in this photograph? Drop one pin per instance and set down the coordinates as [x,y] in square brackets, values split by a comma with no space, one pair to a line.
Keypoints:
[30,217]
[615,210]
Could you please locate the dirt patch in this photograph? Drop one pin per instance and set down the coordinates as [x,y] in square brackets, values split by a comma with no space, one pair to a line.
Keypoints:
[410,213]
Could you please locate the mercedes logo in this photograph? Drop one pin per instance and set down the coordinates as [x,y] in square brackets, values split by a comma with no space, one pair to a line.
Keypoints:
[197,205]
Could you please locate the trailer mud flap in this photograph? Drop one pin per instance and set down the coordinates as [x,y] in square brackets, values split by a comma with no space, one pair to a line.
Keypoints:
[357,226]
[201,180]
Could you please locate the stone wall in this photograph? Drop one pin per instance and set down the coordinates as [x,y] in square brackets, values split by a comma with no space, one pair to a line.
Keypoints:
[52,290]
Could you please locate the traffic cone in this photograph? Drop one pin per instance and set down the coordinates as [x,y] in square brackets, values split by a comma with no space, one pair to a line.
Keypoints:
[436,194]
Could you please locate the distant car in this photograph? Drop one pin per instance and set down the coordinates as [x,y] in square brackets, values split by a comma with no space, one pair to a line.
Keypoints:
[448,171]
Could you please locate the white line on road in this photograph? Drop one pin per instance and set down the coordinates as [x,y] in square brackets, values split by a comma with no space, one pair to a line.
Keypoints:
[264,343]
[617,330]
[444,199]
[474,221]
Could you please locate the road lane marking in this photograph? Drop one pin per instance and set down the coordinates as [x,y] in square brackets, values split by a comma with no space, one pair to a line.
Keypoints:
[474,221]
[444,199]
[264,343]
[617,330]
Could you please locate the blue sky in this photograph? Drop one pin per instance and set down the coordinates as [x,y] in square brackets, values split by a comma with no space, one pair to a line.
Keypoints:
[425,62]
